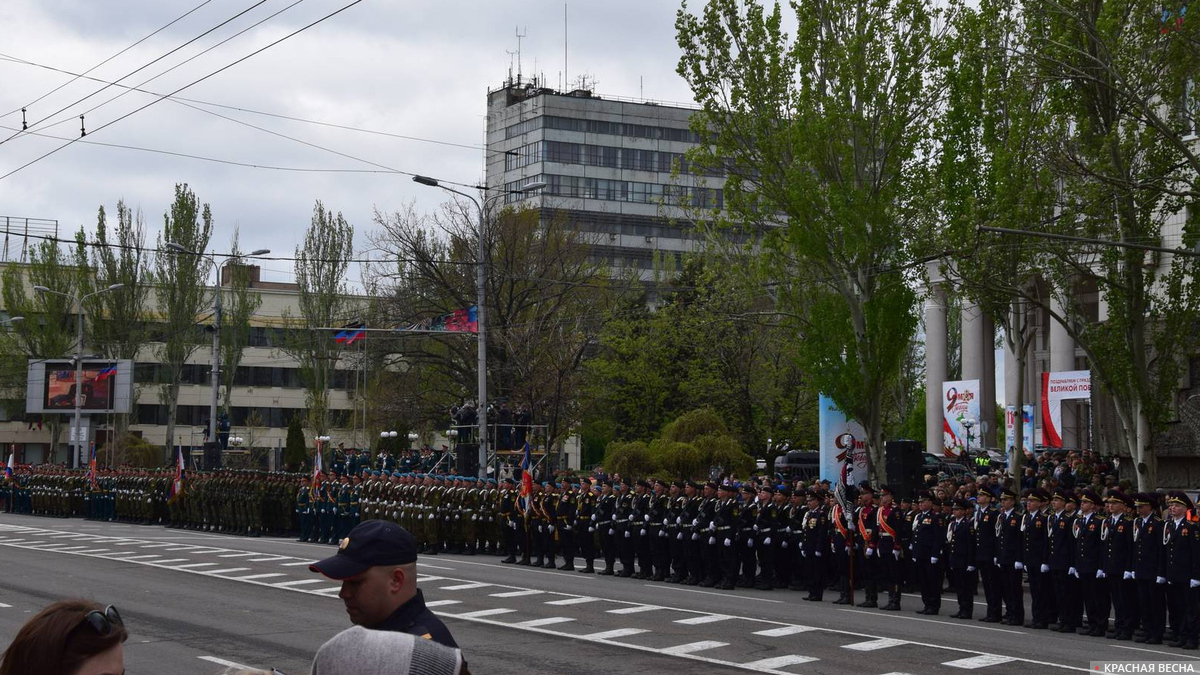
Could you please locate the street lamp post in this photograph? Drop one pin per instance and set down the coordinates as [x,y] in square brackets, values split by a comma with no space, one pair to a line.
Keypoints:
[383,436]
[481,299]
[412,439]
[78,351]
[968,424]
[216,348]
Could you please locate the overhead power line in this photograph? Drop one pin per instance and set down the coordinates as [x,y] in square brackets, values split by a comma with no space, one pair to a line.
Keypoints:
[252,111]
[137,70]
[98,65]
[190,84]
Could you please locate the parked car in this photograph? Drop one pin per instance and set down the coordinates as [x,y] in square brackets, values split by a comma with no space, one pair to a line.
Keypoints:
[799,464]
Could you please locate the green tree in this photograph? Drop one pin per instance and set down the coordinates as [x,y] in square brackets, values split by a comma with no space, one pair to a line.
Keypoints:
[240,305]
[49,328]
[630,460]
[295,449]
[119,318]
[825,139]
[321,265]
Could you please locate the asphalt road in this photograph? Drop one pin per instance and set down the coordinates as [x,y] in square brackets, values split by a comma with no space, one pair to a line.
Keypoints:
[196,603]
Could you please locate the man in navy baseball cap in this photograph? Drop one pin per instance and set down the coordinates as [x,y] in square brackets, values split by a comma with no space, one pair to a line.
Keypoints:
[377,565]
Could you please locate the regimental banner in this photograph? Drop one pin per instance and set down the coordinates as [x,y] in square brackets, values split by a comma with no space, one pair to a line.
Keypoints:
[1056,388]
[960,402]
[839,436]
[1010,428]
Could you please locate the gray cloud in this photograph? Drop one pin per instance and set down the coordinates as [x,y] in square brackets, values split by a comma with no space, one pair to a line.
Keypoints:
[418,68]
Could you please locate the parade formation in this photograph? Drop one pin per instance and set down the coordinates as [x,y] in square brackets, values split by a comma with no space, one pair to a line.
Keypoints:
[1082,556]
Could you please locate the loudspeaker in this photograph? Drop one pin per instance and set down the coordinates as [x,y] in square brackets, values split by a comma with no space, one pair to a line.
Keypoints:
[212,456]
[468,459]
[904,463]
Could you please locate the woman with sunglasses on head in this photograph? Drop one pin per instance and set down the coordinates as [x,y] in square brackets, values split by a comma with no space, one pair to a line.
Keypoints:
[70,637]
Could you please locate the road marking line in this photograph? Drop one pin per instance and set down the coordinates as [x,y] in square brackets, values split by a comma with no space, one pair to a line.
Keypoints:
[4,605]
[172,560]
[944,623]
[260,576]
[610,634]
[548,621]
[463,587]
[785,630]
[442,603]
[723,595]
[156,545]
[270,559]
[636,609]
[694,647]
[780,662]
[872,645]
[436,567]
[1157,651]
[572,601]
[703,618]
[896,674]
[94,550]
[306,563]
[223,662]
[193,565]
[236,555]
[327,592]
[227,570]
[135,557]
[423,578]
[484,612]
[71,535]
[300,582]
[516,594]
[980,661]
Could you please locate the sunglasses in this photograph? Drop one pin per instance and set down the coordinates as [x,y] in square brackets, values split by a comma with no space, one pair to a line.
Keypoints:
[104,623]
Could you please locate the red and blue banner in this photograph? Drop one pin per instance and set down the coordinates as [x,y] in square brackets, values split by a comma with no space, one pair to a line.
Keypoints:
[458,321]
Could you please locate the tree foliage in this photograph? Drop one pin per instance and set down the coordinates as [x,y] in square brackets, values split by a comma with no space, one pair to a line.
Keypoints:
[825,138]
[239,304]
[181,292]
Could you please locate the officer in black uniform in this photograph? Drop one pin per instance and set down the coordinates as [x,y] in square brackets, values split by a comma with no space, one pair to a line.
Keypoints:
[984,525]
[1010,551]
[1060,558]
[509,522]
[814,545]
[638,533]
[585,529]
[710,572]
[1088,569]
[1036,560]
[606,510]
[676,533]
[1117,535]
[960,558]
[725,535]
[624,518]
[657,534]
[927,544]
[1147,568]
[1180,557]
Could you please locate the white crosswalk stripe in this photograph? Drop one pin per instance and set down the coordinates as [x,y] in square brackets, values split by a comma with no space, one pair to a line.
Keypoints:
[702,619]
[692,647]
[572,601]
[611,634]
[260,576]
[636,609]
[979,661]
[227,570]
[872,645]
[547,621]
[784,630]
[777,662]
[299,582]
[485,612]
[516,594]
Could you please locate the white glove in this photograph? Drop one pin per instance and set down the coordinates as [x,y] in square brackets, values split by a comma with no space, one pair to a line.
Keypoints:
[750,543]
[513,524]
[695,536]
[641,533]
[1101,575]
[818,554]
[591,529]
[970,568]
[679,537]
[662,533]
[550,528]
[593,517]
[933,561]
[626,534]
[712,540]
[803,553]
[896,552]
[767,541]
[646,518]
[870,551]
[1160,580]
[1045,568]
[611,531]
[1126,576]
[756,528]
[783,544]
[1193,583]
[567,528]
[995,561]
[728,543]
[665,523]
[850,527]
[1018,565]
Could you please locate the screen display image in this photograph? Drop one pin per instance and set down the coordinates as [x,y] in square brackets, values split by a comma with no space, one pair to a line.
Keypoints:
[97,387]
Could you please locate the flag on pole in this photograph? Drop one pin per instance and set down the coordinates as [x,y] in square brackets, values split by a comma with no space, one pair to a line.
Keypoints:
[526,476]
[106,373]
[8,468]
[317,468]
[177,484]
[91,474]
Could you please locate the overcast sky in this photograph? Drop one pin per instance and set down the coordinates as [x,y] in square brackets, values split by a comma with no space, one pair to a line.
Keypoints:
[417,68]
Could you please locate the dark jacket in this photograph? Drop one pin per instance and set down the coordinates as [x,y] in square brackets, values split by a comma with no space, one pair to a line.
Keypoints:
[1061,555]
[1118,546]
[960,545]
[414,618]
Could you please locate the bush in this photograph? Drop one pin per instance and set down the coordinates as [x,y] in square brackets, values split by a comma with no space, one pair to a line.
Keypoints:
[678,460]
[628,459]
[295,451]
[724,451]
[132,450]
[694,424]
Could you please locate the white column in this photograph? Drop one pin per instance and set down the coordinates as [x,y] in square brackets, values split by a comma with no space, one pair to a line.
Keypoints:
[987,386]
[972,356]
[1062,357]
[935,366]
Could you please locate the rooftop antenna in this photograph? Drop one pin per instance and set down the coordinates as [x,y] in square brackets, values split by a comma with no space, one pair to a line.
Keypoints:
[566,72]
[510,65]
[520,35]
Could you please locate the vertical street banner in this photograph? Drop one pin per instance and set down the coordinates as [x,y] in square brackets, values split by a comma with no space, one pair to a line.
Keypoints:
[1010,428]
[840,437]
[1067,385]
[960,402]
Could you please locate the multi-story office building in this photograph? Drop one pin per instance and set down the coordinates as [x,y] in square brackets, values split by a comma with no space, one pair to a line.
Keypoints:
[615,169]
